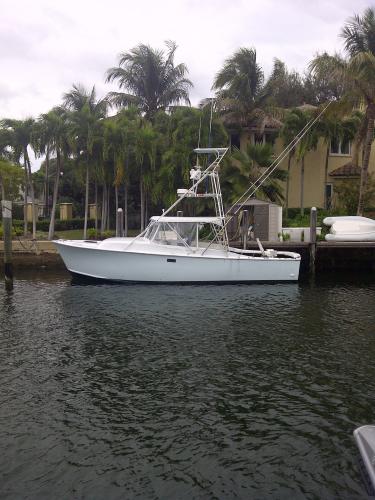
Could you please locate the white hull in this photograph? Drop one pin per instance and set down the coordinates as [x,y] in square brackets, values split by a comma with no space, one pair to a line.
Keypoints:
[109,260]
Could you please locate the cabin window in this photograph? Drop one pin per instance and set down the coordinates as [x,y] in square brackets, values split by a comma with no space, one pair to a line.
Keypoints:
[340,147]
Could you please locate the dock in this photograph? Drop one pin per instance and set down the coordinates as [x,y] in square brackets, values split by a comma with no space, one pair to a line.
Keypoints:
[329,255]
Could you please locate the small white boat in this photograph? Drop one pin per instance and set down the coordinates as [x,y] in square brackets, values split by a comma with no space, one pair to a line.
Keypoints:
[365,439]
[350,228]
[170,249]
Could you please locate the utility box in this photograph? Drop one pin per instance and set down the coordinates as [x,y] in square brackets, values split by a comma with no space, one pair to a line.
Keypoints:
[265,220]
[66,211]
[29,211]
[92,211]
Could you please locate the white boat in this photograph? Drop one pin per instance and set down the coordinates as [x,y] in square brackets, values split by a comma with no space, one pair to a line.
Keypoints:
[350,228]
[365,439]
[171,250]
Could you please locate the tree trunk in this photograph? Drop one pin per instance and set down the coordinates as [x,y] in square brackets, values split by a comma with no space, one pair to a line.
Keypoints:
[370,114]
[126,209]
[86,202]
[102,222]
[142,203]
[116,198]
[326,178]
[108,206]
[302,211]
[51,230]
[46,199]
[32,193]
[146,208]
[25,198]
[96,206]
[287,185]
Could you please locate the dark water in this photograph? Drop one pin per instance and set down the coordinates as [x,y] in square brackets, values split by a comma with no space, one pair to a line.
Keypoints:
[182,392]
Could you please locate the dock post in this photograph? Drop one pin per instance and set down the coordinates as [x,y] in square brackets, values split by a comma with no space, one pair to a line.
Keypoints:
[245,227]
[7,231]
[313,223]
[120,222]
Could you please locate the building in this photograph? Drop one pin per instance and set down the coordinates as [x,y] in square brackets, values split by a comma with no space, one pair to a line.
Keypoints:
[340,165]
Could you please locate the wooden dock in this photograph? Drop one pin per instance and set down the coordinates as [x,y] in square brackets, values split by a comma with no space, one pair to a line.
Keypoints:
[329,255]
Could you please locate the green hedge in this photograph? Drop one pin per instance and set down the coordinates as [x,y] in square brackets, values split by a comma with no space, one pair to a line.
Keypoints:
[60,225]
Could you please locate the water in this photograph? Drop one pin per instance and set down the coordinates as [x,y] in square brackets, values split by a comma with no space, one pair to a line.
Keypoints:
[184,392]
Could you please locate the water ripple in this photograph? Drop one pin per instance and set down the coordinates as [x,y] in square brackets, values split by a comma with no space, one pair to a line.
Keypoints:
[177,392]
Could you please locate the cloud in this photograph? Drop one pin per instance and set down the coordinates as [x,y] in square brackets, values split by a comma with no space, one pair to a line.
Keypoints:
[47,46]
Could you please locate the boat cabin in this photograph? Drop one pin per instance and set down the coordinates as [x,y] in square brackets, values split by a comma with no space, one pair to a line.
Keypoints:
[180,231]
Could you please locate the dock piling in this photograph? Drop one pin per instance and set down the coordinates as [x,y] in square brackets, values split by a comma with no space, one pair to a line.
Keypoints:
[313,224]
[120,223]
[7,234]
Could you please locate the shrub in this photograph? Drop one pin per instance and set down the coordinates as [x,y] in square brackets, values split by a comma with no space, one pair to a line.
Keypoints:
[60,225]
[347,193]
[92,234]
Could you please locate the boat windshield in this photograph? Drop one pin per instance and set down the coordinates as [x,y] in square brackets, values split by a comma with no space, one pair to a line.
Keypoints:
[174,233]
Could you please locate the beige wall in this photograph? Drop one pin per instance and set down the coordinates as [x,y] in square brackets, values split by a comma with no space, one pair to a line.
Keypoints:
[314,172]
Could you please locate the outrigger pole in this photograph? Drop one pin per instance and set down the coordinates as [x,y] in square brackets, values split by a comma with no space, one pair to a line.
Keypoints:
[256,185]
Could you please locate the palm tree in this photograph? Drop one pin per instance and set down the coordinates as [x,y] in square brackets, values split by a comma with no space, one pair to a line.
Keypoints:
[85,118]
[20,137]
[289,130]
[11,178]
[54,126]
[246,167]
[285,88]
[295,121]
[145,144]
[151,79]
[239,87]
[180,132]
[357,72]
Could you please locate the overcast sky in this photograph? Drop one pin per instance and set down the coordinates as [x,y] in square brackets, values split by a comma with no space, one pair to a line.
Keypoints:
[46,46]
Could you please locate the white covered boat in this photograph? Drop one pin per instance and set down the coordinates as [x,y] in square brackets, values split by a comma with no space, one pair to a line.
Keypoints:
[350,228]
[171,250]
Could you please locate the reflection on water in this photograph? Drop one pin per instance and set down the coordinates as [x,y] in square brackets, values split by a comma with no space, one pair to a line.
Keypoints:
[160,391]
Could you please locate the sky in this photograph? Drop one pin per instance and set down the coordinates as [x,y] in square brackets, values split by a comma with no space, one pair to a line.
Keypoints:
[46,46]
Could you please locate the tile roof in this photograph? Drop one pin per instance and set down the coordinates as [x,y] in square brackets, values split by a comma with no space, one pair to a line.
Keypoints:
[347,170]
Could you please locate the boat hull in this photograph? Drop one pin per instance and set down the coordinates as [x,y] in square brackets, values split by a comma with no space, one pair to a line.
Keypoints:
[167,268]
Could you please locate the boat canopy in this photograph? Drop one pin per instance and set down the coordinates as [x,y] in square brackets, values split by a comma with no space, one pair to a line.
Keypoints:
[196,220]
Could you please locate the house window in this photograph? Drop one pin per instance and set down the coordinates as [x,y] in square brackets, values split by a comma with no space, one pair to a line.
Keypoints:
[259,138]
[340,147]
[265,138]
[329,193]
[235,141]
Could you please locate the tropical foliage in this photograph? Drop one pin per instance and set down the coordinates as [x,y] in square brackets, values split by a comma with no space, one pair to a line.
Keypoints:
[133,148]
[356,72]
[151,79]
